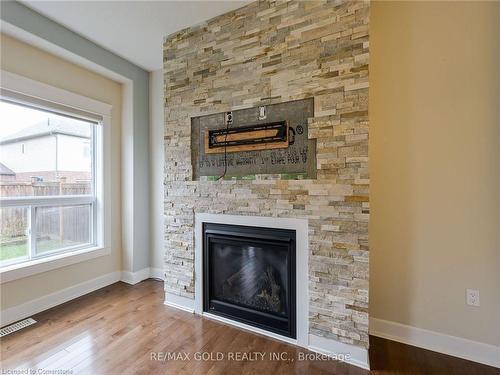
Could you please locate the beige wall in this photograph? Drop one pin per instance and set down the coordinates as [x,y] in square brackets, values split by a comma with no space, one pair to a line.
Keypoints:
[434,163]
[20,58]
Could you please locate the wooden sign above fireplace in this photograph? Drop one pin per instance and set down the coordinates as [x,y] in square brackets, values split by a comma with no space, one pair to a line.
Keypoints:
[251,144]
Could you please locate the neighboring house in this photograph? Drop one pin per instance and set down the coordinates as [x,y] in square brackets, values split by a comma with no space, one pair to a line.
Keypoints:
[6,174]
[48,151]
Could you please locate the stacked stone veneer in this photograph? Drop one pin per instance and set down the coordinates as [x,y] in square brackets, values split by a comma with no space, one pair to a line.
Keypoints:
[270,52]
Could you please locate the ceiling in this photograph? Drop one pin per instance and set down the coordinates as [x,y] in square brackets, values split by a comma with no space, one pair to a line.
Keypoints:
[133,30]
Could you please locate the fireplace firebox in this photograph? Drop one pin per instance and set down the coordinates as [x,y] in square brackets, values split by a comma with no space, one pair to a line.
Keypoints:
[249,276]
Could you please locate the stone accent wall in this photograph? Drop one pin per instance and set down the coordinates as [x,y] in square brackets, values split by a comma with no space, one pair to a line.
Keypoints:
[270,52]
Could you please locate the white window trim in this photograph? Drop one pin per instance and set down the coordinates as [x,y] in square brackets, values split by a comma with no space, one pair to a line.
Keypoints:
[61,97]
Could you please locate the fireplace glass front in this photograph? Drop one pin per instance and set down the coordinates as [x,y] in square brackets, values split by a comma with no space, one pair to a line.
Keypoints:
[249,275]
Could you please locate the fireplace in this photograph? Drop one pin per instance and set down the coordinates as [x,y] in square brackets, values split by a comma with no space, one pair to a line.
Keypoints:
[249,276]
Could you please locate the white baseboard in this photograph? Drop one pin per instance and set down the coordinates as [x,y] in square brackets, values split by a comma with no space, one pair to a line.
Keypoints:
[40,304]
[435,341]
[133,278]
[48,301]
[179,302]
[157,273]
[353,355]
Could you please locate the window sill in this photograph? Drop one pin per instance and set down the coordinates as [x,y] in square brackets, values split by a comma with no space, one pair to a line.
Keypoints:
[33,267]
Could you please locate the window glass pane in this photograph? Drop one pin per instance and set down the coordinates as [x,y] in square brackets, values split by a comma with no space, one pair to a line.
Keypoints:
[62,227]
[42,153]
[13,234]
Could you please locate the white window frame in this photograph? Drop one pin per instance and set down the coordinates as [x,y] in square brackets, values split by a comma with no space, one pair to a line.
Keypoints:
[58,100]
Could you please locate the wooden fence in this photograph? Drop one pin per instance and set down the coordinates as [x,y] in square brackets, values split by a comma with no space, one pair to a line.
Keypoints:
[25,189]
[67,223]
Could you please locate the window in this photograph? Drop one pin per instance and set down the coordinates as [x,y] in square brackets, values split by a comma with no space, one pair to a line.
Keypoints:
[50,200]
[86,150]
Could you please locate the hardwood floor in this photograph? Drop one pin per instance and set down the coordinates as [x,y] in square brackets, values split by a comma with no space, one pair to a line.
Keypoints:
[123,329]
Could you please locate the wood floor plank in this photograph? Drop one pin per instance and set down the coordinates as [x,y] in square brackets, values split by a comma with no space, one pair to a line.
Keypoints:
[116,329]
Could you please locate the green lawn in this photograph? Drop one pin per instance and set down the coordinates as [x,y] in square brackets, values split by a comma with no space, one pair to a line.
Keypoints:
[11,251]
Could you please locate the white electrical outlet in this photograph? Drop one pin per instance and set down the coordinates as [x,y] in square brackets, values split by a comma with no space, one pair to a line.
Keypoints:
[472,297]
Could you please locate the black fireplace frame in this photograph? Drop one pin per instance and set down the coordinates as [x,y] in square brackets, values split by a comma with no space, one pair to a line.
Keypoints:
[263,320]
